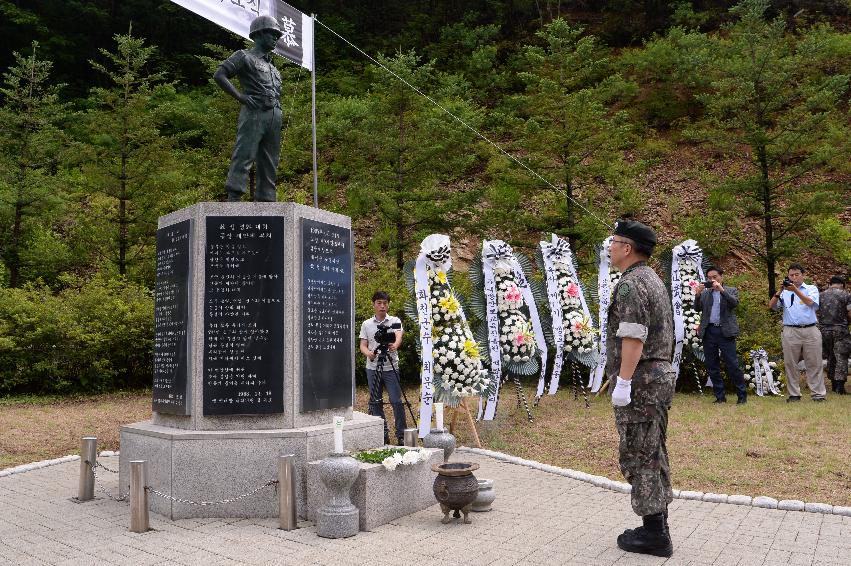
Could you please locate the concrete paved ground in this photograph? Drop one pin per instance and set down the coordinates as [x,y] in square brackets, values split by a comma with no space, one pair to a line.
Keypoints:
[538,518]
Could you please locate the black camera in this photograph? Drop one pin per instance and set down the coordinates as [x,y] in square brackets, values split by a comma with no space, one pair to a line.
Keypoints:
[787,282]
[708,283]
[386,335]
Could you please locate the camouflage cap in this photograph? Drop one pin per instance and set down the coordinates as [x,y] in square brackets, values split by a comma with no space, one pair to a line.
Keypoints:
[636,231]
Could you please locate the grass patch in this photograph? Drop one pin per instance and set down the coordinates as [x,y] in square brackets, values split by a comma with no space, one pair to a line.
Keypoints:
[767,447]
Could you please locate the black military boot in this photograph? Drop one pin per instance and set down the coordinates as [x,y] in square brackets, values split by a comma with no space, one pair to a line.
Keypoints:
[652,538]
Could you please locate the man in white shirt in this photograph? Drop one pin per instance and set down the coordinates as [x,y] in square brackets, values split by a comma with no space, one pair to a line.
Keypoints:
[801,337]
[387,374]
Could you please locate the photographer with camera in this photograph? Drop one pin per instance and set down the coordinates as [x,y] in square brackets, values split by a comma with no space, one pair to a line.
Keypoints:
[801,338]
[380,338]
[718,330]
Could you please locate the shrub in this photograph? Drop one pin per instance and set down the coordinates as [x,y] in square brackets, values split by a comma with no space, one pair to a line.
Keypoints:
[93,335]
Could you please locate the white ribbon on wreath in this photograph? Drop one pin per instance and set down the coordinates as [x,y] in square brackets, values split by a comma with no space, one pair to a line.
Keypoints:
[558,250]
[496,254]
[763,376]
[434,254]
[605,296]
[686,251]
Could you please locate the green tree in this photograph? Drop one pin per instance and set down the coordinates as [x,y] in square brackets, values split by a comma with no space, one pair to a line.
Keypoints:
[30,145]
[404,158]
[131,171]
[771,96]
[574,134]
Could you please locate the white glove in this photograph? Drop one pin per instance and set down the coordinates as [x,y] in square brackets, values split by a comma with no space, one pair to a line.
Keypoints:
[621,395]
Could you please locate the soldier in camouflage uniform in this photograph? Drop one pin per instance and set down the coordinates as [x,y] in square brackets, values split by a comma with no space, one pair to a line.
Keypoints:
[834,314]
[639,346]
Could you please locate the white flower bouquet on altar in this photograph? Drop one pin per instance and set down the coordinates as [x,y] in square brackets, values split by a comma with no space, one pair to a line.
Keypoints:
[392,458]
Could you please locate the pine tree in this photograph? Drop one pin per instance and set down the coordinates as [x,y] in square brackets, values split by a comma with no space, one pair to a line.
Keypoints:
[30,145]
[770,95]
[131,171]
[573,133]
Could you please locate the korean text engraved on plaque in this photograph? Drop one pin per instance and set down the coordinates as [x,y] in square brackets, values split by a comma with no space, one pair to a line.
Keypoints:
[171,319]
[244,315]
[326,314]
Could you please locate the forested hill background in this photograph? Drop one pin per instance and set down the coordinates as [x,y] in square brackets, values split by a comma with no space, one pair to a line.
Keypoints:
[727,123]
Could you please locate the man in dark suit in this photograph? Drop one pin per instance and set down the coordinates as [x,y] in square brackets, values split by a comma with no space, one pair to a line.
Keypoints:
[719,329]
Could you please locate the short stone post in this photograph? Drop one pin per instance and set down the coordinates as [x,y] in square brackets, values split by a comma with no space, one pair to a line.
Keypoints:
[88,458]
[338,517]
[139,519]
[287,511]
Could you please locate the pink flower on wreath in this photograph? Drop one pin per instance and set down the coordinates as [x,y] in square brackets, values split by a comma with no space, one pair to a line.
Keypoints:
[513,294]
[693,284]
[519,339]
[578,326]
[572,290]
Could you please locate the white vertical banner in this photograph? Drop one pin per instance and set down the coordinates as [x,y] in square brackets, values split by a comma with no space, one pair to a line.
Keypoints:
[686,251]
[421,288]
[605,296]
[296,43]
[490,257]
[548,251]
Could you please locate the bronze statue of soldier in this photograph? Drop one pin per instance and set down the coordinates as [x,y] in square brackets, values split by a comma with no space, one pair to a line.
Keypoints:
[258,134]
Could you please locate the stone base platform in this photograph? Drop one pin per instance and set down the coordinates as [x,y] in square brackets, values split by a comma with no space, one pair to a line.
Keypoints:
[381,495]
[213,465]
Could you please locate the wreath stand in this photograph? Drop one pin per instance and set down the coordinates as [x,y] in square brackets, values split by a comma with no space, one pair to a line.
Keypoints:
[470,422]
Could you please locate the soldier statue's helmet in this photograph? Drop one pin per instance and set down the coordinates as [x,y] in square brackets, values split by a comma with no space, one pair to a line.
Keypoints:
[261,23]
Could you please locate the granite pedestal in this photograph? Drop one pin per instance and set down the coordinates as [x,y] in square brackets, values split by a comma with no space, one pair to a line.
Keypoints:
[253,356]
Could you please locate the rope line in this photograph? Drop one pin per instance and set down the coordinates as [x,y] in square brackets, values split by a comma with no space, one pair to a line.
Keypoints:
[463,123]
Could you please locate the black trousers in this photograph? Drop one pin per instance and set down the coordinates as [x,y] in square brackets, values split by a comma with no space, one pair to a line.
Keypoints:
[716,347]
[376,400]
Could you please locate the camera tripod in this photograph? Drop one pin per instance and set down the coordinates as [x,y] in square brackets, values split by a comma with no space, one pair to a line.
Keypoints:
[376,397]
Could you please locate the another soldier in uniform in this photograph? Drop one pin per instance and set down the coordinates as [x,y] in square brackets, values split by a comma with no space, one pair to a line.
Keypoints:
[834,314]
[258,134]
[639,343]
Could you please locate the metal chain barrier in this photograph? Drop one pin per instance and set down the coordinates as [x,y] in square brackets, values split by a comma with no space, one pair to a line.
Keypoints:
[205,503]
[99,465]
[102,489]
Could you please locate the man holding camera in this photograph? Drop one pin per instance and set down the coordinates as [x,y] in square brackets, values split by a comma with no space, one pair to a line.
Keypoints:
[834,314]
[801,338]
[380,338]
[718,330]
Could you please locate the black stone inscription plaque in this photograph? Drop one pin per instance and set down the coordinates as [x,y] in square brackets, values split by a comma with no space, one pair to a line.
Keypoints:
[171,320]
[244,315]
[326,313]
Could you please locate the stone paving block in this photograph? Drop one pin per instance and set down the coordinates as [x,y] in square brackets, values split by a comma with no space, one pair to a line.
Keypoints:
[715,497]
[691,495]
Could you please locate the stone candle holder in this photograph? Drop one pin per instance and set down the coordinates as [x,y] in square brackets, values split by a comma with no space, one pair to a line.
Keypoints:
[338,517]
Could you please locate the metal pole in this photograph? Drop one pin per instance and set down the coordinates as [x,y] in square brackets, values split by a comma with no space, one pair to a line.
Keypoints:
[313,114]
[410,437]
[88,458]
[139,520]
[287,511]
